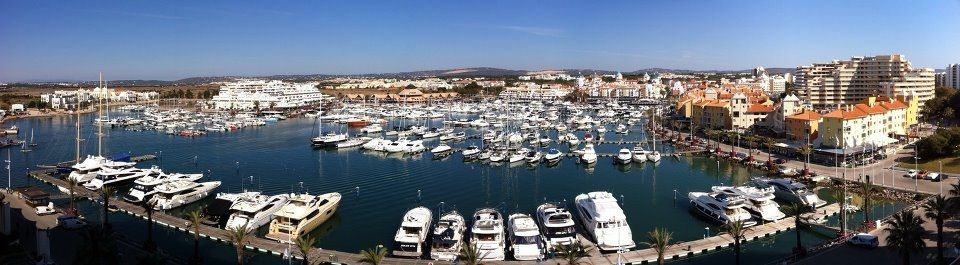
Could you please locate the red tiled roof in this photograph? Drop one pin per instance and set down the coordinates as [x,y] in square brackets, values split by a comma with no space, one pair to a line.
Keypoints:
[895,104]
[805,115]
[759,108]
[846,115]
[875,109]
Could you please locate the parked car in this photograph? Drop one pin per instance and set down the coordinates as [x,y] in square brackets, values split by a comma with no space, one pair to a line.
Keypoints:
[47,209]
[911,174]
[864,240]
[934,176]
[71,222]
[779,161]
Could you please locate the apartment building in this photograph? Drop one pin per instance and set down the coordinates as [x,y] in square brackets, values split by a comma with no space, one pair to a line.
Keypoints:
[951,77]
[874,122]
[828,85]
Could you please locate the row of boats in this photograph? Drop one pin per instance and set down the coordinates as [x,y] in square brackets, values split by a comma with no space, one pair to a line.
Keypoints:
[522,236]
[751,204]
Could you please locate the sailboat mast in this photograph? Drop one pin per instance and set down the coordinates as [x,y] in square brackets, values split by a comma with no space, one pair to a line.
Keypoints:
[77,159]
[100,118]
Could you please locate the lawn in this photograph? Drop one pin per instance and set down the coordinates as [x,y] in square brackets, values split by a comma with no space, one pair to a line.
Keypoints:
[951,165]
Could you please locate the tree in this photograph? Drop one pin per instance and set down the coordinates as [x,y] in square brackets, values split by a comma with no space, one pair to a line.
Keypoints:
[737,230]
[195,218]
[105,193]
[373,255]
[71,185]
[796,210]
[470,254]
[805,150]
[238,237]
[905,234]
[937,209]
[305,244]
[659,240]
[149,244]
[841,196]
[769,143]
[572,253]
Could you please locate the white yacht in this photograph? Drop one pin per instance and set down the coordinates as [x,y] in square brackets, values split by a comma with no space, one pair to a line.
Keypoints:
[144,187]
[372,128]
[653,156]
[516,156]
[181,192]
[556,225]
[572,139]
[488,235]
[604,220]
[497,156]
[352,142]
[302,213]
[534,157]
[448,237]
[525,240]
[442,148]
[760,202]
[377,144]
[396,146]
[639,155]
[87,170]
[472,150]
[721,207]
[108,176]
[328,140]
[413,147]
[553,155]
[589,156]
[410,237]
[791,191]
[624,156]
[255,211]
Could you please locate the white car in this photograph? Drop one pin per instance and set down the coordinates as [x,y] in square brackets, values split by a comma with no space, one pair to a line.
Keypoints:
[864,240]
[45,210]
[911,174]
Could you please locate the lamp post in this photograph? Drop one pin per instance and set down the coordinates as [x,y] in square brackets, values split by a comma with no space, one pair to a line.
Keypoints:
[916,169]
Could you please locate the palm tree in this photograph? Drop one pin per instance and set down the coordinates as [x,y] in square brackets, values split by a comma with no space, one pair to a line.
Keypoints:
[905,233]
[841,196]
[148,208]
[659,240]
[373,255]
[937,210]
[795,210]
[738,231]
[195,218]
[769,143]
[71,185]
[867,191]
[106,193]
[305,244]
[238,237]
[470,254]
[572,253]
[805,150]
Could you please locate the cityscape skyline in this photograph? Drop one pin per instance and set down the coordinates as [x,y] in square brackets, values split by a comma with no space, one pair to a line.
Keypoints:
[168,41]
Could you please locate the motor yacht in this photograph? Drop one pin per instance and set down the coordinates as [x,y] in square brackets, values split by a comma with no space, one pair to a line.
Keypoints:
[516,156]
[760,202]
[525,240]
[410,237]
[377,144]
[111,177]
[86,171]
[572,139]
[396,146]
[487,234]
[471,151]
[181,192]
[217,211]
[556,225]
[328,140]
[653,156]
[442,148]
[372,128]
[497,156]
[413,147]
[624,156]
[302,213]
[639,155]
[721,207]
[604,220]
[352,142]
[448,237]
[589,156]
[533,157]
[144,187]
[553,155]
[791,191]
[255,211]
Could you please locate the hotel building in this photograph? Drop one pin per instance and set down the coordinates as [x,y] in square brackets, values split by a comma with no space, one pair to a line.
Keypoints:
[828,85]
[249,94]
[951,77]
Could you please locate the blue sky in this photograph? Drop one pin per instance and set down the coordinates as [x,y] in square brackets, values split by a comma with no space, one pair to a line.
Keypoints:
[44,40]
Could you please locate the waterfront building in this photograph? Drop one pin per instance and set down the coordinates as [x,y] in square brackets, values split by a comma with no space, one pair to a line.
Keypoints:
[527,93]
[875,122]
[826,85]
[951,76]
[801,125]
[70,99]
[411,95]
[249,94]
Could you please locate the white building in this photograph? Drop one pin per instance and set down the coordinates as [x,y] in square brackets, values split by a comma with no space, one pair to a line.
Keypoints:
[778,84]
[533,93]
[248,94]
[826,85]
[951,77]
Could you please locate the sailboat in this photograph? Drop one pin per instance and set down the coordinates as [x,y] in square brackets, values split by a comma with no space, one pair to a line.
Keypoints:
[84,171]
[32,143]
[654,156]
[24,148]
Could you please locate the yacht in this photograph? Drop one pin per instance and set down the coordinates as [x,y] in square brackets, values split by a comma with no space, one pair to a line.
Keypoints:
[497,156]
[516,156]
[533,157]
[760,202]
[87,170]
[377,144]
[556,225]
[572,139]
[352,142]
[472,150]
[604,220]
[144,187]
[396,146]
[442,148]
[624,156]
[791,191]
[181,192]
[639,155]
[217,212]
[410,238]
[525,240]
[254,211]
[372,128]
[448,236]
[116,176]
[488,235]
[553,155]
[328,140]
[653,156]
[302,213]
[413,147]
[721,207]
[589,156]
